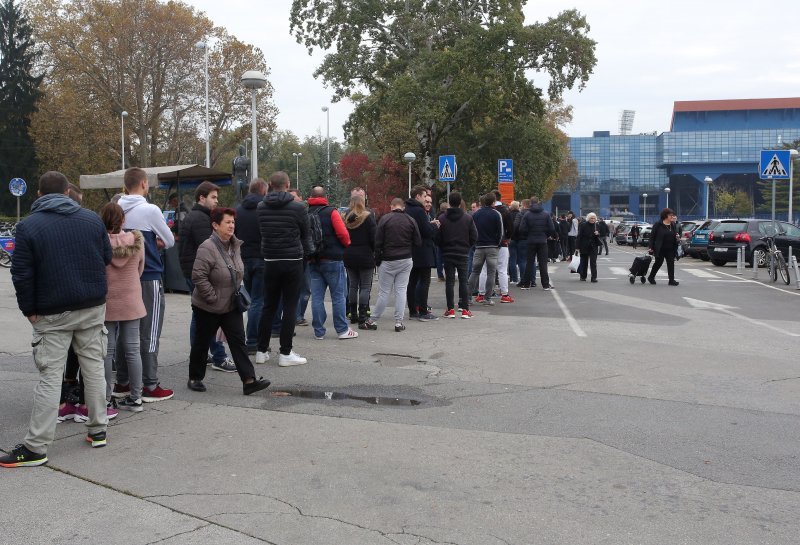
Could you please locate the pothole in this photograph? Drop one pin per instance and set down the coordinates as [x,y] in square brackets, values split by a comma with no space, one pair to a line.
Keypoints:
[341,396]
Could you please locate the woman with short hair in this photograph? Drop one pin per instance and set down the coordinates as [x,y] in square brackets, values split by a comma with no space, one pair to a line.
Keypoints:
[588,241]
[664,241]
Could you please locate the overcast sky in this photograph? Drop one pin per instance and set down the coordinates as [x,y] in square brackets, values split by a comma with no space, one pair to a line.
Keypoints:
[649,55]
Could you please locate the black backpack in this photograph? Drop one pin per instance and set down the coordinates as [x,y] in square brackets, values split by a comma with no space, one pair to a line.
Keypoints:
[317,236]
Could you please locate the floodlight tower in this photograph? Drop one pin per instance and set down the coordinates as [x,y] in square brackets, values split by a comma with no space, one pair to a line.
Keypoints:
[626,121]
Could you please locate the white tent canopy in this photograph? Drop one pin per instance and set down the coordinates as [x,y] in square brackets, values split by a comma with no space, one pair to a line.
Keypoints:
[156,176]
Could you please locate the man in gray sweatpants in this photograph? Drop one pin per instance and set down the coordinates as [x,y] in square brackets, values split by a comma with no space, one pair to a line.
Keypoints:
[396,235]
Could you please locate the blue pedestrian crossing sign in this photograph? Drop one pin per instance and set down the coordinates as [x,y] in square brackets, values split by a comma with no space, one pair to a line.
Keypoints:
[447,168]
[505,170]
[774,164]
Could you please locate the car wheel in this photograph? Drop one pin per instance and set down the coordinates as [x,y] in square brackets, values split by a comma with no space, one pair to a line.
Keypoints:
[719,262]
[704,257]
[759,256]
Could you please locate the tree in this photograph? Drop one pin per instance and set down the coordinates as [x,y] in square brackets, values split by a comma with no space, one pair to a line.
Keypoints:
[108,56]
[454,72]
[19,94]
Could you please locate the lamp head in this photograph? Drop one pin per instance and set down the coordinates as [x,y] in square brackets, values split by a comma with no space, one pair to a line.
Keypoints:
[409,157]
[200,45]
[708,180]
[253,79]
[124,113]
[667,190]
[324,108]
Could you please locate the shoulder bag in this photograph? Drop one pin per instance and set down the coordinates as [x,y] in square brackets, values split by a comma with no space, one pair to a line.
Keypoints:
[241,299]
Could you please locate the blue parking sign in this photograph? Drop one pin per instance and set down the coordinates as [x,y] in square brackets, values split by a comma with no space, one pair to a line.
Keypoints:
[505,170]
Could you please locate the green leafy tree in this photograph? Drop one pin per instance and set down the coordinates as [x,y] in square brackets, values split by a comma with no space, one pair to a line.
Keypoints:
[19,94]
[455,73]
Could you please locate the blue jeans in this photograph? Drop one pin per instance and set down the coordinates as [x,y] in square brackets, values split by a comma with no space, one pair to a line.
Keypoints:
[522,258]
[305,293]
[254,284]
[328,274]
[216,348]
[512,261]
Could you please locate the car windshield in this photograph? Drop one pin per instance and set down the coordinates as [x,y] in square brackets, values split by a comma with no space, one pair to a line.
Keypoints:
[730,227]
[707,225]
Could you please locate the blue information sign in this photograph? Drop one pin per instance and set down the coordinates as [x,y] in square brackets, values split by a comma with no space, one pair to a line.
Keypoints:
[505,170]
[17,187]
[447,168]
[774,164]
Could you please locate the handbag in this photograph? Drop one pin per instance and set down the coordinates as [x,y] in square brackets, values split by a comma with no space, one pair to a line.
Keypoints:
[241,299]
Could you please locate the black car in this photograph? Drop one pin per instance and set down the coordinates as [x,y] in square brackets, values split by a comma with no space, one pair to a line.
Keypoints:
[729,235]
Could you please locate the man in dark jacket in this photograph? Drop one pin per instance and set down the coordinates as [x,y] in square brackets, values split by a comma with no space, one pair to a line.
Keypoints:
[503,253]
[395,239]
[248,232]
[59,274]
[424,256]
[563,236]
[326,268]
[195,230]
[536,226]
[284,244]
[490,235]
[456,235]
[602,227]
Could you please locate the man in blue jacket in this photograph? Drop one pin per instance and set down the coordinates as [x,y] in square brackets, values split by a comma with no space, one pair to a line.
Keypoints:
[489,223]
[66,305]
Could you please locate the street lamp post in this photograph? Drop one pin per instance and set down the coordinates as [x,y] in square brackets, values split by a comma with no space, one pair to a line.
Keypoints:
[792,155]
[254,80]
[707,180]
[409,158]
[644,208]
[122,117]
[667,190]
[204,46]
[328,139]
[297,156]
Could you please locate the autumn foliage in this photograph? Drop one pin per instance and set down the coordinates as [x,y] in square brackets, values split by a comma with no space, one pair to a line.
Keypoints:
[383,179]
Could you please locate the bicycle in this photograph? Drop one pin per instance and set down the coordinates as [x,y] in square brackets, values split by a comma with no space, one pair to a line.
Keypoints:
[776,262]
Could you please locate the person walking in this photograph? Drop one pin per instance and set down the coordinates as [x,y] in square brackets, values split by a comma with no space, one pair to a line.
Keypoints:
[634,232]
[217,273]
[456,235]
[664,240]
[424,256]
[489,224]
[65,305]
[537,226]
[396,236]
[602,226]
[247,231]
[589,242]
[359,258]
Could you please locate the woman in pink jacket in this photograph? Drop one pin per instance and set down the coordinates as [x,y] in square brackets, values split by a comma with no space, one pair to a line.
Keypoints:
[124,305]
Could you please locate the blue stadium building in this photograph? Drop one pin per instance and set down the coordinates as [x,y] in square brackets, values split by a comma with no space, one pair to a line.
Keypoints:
[719,139]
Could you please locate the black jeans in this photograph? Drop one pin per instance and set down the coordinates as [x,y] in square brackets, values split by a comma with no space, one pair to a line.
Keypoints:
[360,285]
[417,292]
[232,324]
[537,251]
[588,259]
[670,266]
[282,280]
[451,267]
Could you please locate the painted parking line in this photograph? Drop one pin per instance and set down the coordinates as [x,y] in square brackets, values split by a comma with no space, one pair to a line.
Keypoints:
[700,273]
[573,323]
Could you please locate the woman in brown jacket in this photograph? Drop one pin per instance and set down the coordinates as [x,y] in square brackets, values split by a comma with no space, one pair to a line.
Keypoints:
[213,302]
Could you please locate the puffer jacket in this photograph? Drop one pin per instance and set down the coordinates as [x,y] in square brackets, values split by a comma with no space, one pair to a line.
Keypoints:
[396,236]
[195,230]
[424,255]
[213,288]
[537,225]
[124,300]
[284,227]
[247,226]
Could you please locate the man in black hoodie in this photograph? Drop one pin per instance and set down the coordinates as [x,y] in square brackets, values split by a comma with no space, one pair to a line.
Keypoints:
[456,235]
[424,256]
[285,242]
[536,226]
[248,232]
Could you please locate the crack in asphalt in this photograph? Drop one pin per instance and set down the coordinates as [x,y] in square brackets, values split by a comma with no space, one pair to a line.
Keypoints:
[179,534]
[555,386]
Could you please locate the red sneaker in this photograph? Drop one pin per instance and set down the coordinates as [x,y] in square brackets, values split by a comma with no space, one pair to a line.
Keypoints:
[450,313]
[506,299]
[465,314]
[480,299]
[121,391]
[156,394]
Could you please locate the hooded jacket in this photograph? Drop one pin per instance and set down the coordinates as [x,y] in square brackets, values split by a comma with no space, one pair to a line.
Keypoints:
[60,258]
[213,286]
[424,255]
[457,234]
[149,220]
[195,230]
[537,225]
[247,226]
[124,301]
[361,252]
[283,224]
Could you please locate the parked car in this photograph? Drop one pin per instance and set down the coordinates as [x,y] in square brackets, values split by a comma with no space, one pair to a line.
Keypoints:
[622,236]
[687,228]
[699,240]
[729,235]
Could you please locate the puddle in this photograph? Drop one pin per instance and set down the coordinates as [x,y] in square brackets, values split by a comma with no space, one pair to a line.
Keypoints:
[339,396]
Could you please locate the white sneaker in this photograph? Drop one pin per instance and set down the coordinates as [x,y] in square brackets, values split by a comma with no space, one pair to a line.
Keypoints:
[349,334]
[262,357]
[292,358]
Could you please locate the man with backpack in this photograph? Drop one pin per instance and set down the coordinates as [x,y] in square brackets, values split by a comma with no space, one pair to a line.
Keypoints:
[326,269]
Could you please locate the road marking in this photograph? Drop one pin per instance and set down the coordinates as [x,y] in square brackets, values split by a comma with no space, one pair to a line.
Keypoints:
[749,271]
[573,323]
[619,270]
[700,273]
[725,309]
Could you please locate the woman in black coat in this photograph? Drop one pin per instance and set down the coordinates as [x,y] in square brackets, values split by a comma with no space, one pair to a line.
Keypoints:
[587,242]
[359,259]
[664,241]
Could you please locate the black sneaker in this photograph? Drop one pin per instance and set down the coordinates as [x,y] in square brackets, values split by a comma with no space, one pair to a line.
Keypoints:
[128,404]
[226,366]
[22,457]
[97,439]
[256,386]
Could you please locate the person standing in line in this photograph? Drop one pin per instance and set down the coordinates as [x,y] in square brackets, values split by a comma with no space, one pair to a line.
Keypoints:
[439,259]
[396,236]
[247,231]
[424,256]
[553,243]
[359,258]
[65,305]
[326,269]
[217,273]
[148,219]
[305,287]
[563,227]
[456,235]
[195,230]
[572,235]
[518,265]
[537,226]
[664,240]
[124,304]
[284,244]
[513,243]
[589,242]
[489,224]
[602,226]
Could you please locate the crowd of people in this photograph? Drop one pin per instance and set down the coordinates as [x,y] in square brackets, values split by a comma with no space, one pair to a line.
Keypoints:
[97,324]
